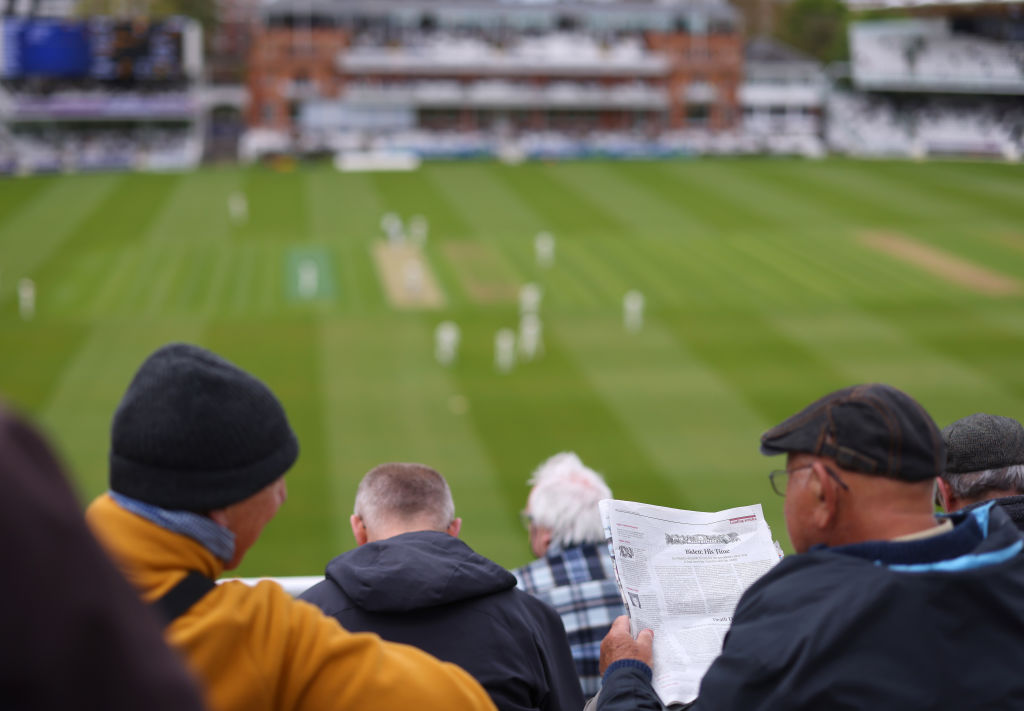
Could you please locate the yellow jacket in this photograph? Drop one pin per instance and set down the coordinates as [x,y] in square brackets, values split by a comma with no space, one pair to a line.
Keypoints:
[255,648]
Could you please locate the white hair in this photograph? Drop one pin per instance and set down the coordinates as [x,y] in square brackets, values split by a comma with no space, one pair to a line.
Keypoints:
[564,500]
[973,485]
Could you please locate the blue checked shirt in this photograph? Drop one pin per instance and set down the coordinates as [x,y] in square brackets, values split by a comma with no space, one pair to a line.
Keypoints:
[579,582]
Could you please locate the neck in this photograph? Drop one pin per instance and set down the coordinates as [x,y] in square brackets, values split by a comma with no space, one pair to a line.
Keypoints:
[882,526]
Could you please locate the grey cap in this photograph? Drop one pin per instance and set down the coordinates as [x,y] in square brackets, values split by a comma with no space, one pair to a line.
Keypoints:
[979,442]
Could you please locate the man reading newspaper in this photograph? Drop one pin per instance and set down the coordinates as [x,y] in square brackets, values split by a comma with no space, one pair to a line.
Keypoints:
[884,606]
[681,574]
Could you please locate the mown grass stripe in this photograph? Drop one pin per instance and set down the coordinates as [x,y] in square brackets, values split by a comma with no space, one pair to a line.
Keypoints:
[871,349]
[224,261]
[39,231]
[160,289]
[774,374]
[277,207]
[151,260]
[34,355]
[652,383]
[578,256]
[564,287]
[82,278]
[17,195]
[196,211]
[968,189]
[241,291]
[780,269]
[196,275]
[124,268]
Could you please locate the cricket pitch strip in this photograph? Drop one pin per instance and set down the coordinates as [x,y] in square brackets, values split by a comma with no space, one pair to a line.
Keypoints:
[408,280]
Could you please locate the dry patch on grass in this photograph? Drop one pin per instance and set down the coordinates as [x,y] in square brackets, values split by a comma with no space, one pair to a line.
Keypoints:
[1013,241]
[483,272]
[408,280]
[942,264]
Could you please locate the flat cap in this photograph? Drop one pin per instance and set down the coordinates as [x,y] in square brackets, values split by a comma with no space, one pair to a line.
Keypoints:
[872,429]
[980,441]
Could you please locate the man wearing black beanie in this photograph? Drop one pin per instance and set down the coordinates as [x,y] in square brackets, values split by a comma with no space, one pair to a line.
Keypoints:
[199,449]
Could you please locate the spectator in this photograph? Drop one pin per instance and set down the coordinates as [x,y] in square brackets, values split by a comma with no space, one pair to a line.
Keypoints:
[198,453]
[75,635]
[412,580]
[985,462]
[573,572]
[882,608]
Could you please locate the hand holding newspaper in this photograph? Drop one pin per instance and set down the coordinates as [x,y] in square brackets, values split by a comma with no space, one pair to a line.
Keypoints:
[681,574]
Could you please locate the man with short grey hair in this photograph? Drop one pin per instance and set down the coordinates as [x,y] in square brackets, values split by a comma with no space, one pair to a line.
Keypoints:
[985,461]
[573,572]
[411,580]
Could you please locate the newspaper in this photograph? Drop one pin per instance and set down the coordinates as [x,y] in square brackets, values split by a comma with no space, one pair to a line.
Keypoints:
[681,574]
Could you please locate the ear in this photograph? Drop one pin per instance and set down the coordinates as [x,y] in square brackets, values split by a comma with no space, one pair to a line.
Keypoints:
[946,495]
[454,527]
[540,540]
[825,492]
[219,516]
[358,529]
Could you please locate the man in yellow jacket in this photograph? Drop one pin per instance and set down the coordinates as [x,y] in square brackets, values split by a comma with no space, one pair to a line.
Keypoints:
[199,449]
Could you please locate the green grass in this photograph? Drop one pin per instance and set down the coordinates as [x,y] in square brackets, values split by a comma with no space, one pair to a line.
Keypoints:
[760,298]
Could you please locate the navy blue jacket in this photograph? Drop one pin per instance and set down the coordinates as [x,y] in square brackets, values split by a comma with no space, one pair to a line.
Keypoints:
[432,591]
[930,624]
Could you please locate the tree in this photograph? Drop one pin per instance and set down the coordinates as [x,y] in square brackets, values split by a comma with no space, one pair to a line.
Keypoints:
[818,27]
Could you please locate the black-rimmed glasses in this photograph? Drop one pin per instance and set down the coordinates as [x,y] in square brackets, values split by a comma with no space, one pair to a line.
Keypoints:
[778,478]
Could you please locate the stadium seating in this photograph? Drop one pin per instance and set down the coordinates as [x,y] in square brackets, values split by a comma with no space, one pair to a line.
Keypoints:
[925,54]
[874,125]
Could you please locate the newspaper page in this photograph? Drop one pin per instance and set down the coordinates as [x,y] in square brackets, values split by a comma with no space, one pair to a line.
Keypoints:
[681,574]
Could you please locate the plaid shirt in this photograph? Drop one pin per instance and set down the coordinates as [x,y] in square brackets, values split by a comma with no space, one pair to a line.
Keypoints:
[579,582]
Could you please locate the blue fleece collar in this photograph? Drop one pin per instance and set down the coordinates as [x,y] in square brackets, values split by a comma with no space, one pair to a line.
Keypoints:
[961,549]
[214,537]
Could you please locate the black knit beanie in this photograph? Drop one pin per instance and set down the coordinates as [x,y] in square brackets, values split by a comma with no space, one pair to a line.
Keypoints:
[194,432]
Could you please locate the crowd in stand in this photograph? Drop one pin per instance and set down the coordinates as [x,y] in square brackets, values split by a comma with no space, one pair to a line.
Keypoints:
[885,604]
[98,148]
[875,125]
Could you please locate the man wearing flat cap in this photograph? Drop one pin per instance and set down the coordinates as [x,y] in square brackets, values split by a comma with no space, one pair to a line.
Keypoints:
[199,449]
[984,461]
[884,606]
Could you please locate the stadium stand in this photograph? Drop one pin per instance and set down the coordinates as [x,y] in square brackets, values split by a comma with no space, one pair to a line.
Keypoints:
[882,125]
[99,94]
[924,54]
[937,85]
[783,98]
[549,76]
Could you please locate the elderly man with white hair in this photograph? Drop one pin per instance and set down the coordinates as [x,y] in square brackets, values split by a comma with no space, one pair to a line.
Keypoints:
[573,572]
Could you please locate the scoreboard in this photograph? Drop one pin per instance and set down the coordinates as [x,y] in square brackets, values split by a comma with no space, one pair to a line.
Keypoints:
[103,49]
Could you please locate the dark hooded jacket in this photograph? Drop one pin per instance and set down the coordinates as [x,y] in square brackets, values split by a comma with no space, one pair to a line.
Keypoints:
[431,590]
[1012,505]
[935,623]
